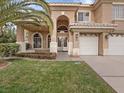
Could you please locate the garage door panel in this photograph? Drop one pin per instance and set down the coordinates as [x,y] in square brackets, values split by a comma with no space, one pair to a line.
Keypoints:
[88,45]
[116,45]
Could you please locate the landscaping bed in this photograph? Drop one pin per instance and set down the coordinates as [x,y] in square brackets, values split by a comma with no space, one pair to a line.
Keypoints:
[45,55]
[2,63]
[24,76]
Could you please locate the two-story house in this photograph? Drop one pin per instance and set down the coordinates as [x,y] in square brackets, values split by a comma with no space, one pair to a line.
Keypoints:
[79,29]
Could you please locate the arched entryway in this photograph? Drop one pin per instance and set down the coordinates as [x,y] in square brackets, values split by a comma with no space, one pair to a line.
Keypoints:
[37,40]
[62,33]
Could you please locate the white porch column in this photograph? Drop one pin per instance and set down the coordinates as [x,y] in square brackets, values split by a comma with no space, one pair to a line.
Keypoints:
[70,44]
[76,44]
[53,43]
[20,38]
[53,47]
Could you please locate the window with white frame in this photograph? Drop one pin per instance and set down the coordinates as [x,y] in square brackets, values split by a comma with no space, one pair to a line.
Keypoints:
[118,11]
[83,16]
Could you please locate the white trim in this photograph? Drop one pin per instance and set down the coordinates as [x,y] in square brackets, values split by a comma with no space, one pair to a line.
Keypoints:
[120,3]
[119,19]
[84,11]
[33,39]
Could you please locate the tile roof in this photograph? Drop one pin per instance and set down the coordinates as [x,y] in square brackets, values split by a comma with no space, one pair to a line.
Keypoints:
[69,4]
[92,25]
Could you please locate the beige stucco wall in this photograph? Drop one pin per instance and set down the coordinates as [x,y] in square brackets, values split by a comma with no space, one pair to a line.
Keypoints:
[69,14]
[120,24]
[103,13]
[118,0]
[98,14]
[103,44]
[107,13]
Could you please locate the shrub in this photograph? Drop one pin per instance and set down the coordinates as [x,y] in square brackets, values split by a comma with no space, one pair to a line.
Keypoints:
[28,46]
[8,49]
[45,55]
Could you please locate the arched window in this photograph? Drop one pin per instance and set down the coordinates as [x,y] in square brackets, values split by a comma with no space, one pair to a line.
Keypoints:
[37,40]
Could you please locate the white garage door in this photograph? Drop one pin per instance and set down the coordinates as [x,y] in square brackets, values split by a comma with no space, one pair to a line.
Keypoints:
[88,45]
[116,45]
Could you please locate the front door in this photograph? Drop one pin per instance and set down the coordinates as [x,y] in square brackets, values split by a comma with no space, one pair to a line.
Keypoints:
[37,41]
[62,43]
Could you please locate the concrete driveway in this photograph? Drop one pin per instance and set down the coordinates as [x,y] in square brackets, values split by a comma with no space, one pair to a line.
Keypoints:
[110,68]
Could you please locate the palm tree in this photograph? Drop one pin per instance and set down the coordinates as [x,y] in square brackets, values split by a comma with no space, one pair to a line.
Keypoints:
[17,11]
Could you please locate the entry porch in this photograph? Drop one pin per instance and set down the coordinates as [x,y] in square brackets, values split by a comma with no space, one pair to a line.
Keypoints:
[37,40]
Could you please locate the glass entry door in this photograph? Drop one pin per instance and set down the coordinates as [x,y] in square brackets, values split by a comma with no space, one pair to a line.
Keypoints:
[37,41]
[62,43]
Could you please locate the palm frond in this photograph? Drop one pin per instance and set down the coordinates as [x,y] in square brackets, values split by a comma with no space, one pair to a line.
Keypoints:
[11,11]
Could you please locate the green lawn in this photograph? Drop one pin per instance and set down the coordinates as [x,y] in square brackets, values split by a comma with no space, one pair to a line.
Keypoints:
[50,77]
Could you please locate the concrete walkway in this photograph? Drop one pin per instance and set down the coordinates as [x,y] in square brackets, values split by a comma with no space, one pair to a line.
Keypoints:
[110,68]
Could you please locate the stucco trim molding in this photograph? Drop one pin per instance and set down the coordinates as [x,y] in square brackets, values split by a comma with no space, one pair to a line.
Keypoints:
[118,3]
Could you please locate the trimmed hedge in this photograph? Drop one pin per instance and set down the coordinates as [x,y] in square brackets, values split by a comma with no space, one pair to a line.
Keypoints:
[8,49]
[38,55]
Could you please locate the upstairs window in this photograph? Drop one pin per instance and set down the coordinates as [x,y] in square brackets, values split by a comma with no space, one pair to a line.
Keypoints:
[83,16]
[118,11]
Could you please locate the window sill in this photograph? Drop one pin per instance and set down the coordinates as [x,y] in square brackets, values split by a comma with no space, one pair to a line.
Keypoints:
[118,19]
[84,21]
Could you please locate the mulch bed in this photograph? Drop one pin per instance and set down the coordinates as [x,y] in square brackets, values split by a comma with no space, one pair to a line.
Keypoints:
[38,55]
[3,64]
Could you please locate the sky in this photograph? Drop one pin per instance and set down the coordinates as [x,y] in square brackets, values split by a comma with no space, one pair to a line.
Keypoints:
[83,1]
